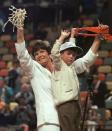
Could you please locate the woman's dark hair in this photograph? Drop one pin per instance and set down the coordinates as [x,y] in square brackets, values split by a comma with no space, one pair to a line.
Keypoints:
[41,45]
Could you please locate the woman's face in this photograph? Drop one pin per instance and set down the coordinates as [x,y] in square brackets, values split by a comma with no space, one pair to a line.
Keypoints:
[42,57]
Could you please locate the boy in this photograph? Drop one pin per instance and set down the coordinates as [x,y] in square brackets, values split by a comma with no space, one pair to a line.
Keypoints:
[64,77]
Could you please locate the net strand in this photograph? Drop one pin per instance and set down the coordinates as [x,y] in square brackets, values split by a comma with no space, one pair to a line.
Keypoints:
[17,18]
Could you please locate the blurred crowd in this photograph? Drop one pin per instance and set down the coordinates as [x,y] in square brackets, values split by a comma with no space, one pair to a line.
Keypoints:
[17,102]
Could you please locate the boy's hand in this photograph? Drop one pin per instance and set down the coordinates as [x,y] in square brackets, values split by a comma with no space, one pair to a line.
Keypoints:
[64,35]
[74,32]
[103,29]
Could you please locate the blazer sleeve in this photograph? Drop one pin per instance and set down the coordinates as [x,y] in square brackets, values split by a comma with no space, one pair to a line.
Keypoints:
[26,61]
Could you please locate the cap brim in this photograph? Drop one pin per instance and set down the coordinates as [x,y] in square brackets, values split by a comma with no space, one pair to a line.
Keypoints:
[78,50]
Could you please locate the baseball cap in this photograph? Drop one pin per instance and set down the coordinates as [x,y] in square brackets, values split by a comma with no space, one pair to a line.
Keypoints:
[68,45]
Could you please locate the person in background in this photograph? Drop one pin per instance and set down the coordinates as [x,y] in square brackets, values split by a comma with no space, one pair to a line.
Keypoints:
[65,82]
[2,104]
[100,90]
[93,118]
[12,75]
[26,93]
[6,92]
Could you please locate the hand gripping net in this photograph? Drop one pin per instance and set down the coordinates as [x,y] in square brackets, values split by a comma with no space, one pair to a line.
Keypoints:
[17,17]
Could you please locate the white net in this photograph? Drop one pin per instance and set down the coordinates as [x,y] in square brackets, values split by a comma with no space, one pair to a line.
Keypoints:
[17,17]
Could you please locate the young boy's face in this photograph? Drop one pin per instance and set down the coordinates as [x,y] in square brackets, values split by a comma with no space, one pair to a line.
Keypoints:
[68,56]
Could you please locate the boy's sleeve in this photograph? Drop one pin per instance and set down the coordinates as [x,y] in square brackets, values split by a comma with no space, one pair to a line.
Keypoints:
[84,63]
[55,54]
[72,40]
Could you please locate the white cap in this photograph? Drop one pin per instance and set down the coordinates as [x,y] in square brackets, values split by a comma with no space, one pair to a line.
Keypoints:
[68,45]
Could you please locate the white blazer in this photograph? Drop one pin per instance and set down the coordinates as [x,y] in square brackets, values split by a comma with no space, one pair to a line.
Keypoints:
[41,84]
